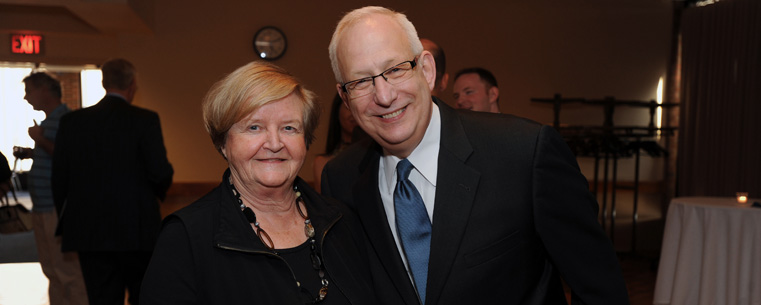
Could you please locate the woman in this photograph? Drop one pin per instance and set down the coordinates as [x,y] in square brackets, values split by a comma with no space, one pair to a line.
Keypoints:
[263,236]
[340,132]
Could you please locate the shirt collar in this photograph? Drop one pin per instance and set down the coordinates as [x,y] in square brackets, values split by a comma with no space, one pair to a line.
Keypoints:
[117,95]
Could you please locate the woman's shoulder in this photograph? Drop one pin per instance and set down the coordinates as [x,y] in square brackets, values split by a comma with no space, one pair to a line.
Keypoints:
[202,207]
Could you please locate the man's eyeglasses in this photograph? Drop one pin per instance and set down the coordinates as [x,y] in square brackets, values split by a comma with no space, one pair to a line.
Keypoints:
[394,75]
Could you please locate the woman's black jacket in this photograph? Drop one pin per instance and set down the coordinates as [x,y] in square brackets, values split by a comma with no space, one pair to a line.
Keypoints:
[208,253]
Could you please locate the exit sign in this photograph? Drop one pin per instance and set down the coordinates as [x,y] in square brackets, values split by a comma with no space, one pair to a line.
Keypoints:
[26,44]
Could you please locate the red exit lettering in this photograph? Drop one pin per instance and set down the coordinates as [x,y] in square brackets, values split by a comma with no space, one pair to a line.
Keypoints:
[25,44]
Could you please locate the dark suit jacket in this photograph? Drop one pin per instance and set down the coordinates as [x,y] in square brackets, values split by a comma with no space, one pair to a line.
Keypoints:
[109,171]
[512,214]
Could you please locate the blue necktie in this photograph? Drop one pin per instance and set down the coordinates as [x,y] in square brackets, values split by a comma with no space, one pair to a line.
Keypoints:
[413,226]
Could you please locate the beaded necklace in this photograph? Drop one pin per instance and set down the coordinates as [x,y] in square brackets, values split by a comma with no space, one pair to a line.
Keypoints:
[308,230]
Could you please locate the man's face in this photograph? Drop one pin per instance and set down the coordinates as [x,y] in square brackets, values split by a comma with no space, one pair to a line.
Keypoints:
[36,96]
[473,94]
[395,116]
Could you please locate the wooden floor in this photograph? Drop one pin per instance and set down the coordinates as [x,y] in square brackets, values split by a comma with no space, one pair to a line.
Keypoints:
[639,274]
[639,259]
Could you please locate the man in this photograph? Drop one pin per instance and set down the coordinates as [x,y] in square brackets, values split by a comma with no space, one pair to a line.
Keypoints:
[476,89]
[442,77]
[66,286]
[109,171]
[511,213]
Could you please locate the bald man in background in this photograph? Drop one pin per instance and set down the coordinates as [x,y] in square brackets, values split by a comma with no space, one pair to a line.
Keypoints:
[442,77]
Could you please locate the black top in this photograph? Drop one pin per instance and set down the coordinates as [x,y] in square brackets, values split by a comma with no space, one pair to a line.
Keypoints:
[299,260]
[208,253]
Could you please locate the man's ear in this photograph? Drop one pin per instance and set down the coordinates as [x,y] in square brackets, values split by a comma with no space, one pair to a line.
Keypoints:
[343,95]
[493,94]
[444,82]
[428,65]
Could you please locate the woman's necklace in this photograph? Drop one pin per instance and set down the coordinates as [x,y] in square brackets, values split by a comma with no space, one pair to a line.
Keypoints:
[308,230]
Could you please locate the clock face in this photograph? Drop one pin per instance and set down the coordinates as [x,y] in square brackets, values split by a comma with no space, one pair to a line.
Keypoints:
[269,43]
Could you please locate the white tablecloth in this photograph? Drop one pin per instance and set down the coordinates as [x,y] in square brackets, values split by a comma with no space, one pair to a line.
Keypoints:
[711,253]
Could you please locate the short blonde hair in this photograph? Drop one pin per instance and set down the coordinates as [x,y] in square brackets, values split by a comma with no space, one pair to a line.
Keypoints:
[357,15]
[246,89]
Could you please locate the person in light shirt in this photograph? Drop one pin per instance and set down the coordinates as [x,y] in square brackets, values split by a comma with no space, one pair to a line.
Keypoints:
[67,286]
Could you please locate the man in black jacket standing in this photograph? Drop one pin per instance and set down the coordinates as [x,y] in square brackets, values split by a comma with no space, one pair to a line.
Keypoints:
[459,207]
[110,169]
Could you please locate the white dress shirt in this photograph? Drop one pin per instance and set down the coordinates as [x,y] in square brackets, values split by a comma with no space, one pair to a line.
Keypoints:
[425,159]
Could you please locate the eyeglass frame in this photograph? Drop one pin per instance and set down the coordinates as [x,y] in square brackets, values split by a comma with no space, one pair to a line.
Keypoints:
[413,64]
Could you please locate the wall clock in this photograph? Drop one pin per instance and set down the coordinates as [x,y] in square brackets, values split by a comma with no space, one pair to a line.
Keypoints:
[270,43]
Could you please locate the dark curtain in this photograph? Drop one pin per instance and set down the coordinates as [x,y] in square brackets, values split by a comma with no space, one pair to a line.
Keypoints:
[720,111]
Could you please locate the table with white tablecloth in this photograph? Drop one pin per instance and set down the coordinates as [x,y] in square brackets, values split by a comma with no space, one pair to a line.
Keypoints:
[711,253]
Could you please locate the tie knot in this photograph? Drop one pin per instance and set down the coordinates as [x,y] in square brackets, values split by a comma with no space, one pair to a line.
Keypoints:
[403,169]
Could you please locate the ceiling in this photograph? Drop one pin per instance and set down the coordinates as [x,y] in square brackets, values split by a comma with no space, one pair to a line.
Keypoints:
[96,17]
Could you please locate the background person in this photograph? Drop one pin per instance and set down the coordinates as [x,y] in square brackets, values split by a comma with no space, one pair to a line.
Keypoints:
[459,207]
[109,172]
[476,89]
[66,286]
[340,130]
[442,77]
[263,236]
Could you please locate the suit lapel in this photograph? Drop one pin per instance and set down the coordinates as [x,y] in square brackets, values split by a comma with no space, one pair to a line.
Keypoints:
[455,191]
[369,207]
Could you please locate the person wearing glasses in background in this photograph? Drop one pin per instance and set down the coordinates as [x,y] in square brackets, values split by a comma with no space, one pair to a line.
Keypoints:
[458,207]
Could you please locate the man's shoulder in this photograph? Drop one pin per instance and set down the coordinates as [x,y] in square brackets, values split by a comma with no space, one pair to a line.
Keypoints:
[70,116]
[505,128]
[485,122]
[353,157]
[131,109]
[488,118]
[143,111]
[110,101]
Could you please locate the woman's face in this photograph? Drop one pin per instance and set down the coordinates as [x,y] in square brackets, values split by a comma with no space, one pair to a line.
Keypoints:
[267,148]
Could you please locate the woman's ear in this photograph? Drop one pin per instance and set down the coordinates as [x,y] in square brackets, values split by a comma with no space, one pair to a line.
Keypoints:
[223,151]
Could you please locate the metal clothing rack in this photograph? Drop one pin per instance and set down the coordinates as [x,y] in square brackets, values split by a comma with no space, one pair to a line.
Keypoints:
[609,143]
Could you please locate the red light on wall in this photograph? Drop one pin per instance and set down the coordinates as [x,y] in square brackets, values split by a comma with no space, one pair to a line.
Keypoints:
[26,44]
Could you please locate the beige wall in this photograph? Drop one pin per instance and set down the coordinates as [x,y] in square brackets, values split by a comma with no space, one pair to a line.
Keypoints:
[590,49]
